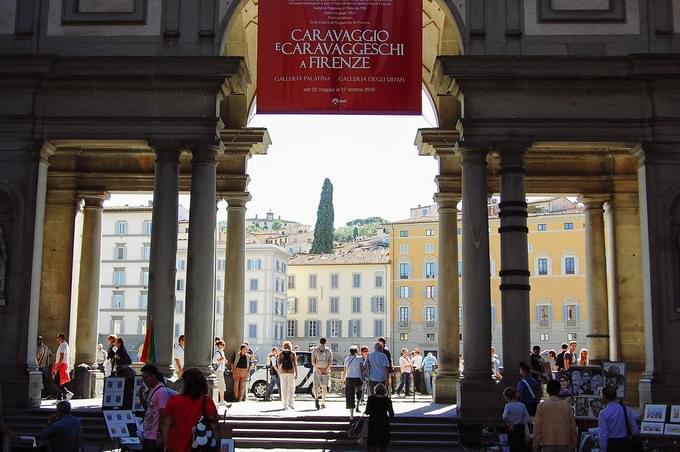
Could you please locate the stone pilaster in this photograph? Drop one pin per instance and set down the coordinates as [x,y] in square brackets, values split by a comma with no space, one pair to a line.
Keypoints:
[200,302]
[514,264]
[88,282]
[477,390]
[234,277]
[161,302]
[596,280]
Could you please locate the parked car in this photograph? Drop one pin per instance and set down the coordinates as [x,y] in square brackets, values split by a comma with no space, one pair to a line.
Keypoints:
[260,378]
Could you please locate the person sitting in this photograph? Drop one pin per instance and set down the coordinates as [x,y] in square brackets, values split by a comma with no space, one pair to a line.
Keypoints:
[64,431]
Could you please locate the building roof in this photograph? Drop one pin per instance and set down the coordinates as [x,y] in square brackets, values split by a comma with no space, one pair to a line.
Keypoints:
[432,219]
[366,252]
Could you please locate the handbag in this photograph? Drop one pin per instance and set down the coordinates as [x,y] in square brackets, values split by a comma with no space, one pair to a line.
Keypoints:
[631,443]
[202,437]
[358,430]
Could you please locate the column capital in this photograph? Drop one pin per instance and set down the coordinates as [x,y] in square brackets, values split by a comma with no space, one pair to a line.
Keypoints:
[593,202]
[204,155]
[473,156]
[447,201]
[235,200]
[167,153]
[94,199]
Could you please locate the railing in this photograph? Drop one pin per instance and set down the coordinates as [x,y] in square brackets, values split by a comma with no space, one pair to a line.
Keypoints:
[430,324]
[403,324]
[544,323]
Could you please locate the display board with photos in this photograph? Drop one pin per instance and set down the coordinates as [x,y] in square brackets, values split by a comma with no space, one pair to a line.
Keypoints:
[114,393]
[614,374]
[658,420]
[120,423]
[136,403]
[581,387]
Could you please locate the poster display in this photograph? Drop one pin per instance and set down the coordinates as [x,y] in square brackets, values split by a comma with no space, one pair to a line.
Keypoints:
[339,57]
[117,423]
[114,389]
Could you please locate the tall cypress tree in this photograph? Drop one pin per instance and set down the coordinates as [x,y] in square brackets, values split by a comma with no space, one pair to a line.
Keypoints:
[323,230]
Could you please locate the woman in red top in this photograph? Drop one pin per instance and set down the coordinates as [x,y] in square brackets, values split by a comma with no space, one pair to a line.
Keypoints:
[183,412]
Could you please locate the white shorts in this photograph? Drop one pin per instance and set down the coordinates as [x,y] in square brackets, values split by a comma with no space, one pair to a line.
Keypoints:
[321,380]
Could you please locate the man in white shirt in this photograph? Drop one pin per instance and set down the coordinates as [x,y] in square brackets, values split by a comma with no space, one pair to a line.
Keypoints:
[60,368]
[178,353]
[417,361]
[322,359]
[405,366]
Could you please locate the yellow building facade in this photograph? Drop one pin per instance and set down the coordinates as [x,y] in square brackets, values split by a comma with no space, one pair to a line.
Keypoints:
[556,260]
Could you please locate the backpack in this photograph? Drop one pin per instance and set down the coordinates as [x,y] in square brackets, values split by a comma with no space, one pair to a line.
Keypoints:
[286,360]
[559,361]
[202,437]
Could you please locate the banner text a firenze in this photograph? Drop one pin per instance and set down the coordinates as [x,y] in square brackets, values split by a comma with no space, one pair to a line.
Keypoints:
[339,56]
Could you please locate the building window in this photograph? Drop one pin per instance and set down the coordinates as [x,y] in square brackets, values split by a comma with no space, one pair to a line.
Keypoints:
[403,337]
[429,232]
[356,280]
[118,300]
[334,280]
[430,316]
[545,337]
[378,328]
[177,330]
[141,326]
[252,307]
[542,264]
[568,226]
[119,252]
[404,292]
[379,280]
[544,315]
[403,249]
[218,284]
[403,316]
[179,306]
[404,270]
[254,264]
[571,336]
[312,328]
[117,326]
[356,305]
[403,233]
[145,277]
[334,328]
[569,265]
[541,227]
[333,303]
[460,268]
[292,305]
[291,281]
[218,305]
[146,251]
[429,248]
[118,277]
[355,328]
[429,291]
[430,270]
[220,265]
[179,285]
[279,309]
[252,330]
[571,312]
[291,328]
[311,305]
[253,284]
[430,337]
[143,299]
[181,265]
[312,281]
[146,227]
[378,305]
[121,227]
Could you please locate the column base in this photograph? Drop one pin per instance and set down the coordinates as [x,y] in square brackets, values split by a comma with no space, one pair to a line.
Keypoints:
[655,388]
[446,388]
[35,385]
[479,401]
[98,391]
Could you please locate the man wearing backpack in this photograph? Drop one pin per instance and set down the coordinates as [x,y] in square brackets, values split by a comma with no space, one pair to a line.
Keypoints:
[322,359]
[153,399]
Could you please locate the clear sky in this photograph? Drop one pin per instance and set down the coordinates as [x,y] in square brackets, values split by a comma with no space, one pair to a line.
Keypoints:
[371,161]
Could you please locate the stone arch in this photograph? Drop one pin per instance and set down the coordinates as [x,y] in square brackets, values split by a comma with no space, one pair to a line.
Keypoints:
[443,31]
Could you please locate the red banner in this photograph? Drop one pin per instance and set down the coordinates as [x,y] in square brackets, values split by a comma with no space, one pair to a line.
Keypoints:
[339,56]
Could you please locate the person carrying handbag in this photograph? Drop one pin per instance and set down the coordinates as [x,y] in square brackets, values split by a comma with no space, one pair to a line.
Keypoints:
[617,426]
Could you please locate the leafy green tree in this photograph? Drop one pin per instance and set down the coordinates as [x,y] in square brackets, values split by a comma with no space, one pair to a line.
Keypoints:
[253,228]
[277,224]
[323,230]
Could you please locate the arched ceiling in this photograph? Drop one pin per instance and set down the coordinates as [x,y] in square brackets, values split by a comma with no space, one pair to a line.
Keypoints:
[440,37]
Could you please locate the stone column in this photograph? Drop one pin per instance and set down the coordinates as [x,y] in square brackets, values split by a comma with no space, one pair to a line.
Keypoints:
[446,383]
[477,389]
[234,273]
[612,289]
[514,264]
[200,293]
[161,302]
[88,282]
[596,280]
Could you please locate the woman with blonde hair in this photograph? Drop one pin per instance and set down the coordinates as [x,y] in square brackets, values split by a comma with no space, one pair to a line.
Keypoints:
[583,359]
[287,369]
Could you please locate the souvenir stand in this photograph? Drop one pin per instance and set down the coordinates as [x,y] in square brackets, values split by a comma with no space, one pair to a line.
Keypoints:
[123,427]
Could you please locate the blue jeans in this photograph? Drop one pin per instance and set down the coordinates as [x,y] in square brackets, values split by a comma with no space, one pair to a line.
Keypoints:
[274,380]
[428,381]
[405,383]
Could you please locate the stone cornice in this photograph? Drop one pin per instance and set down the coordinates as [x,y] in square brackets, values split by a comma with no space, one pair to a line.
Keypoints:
[253,141]
[435,142]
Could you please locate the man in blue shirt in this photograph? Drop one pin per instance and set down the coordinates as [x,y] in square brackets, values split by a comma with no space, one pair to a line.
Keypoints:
[378,367]
[528,389]
[612,422]
[64,430]
[429,365]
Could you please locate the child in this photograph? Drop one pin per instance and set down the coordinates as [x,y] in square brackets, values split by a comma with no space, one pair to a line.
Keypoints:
[516,416]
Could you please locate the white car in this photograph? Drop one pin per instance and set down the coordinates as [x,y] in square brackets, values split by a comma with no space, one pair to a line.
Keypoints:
[303,384]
